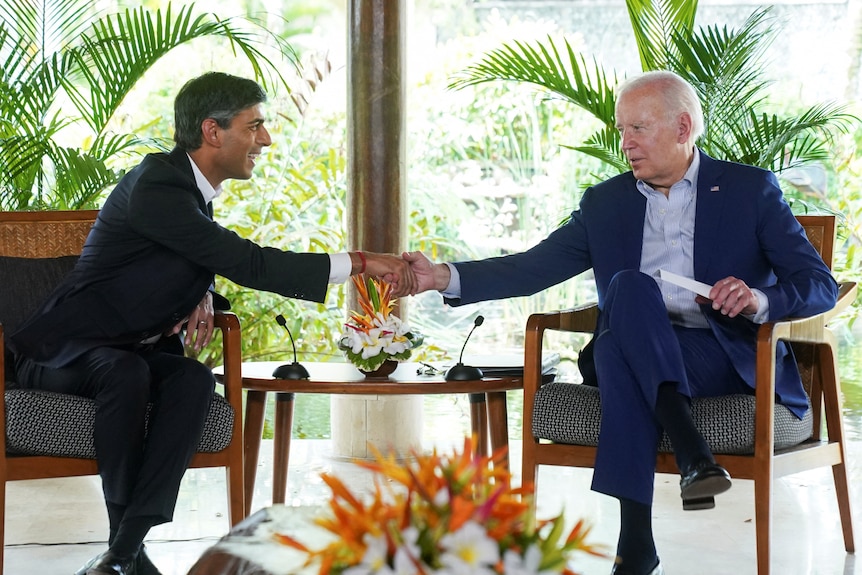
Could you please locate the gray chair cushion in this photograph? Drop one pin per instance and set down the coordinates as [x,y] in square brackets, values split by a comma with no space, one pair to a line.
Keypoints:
[45,423]
[570,413]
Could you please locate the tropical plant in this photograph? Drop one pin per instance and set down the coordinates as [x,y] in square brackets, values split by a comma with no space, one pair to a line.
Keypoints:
[724,65]
[65,71]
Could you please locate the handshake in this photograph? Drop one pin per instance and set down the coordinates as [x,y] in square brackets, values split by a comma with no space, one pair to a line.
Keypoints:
[410,273]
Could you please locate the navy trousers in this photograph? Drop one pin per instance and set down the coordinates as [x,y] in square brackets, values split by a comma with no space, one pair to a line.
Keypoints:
[141,472]
[637,349]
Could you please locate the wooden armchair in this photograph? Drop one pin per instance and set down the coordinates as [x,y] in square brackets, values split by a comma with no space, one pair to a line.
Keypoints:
[49,434]
[751,436]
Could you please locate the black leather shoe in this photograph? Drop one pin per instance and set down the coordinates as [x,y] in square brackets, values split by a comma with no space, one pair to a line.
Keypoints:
[701,483]
[143,564]
[657,570]
[109,564]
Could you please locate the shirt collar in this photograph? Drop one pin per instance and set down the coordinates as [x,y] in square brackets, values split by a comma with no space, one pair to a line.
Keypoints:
[207,191]
[690,176]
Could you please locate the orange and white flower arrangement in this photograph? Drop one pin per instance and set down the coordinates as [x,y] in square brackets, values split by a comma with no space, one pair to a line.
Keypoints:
[376,334]
[440,515]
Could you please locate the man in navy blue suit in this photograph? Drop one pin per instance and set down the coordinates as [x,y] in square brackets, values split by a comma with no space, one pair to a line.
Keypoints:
[656,344]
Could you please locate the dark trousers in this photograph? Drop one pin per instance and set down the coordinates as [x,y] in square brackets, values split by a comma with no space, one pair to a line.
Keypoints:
[140,471]
[636,350]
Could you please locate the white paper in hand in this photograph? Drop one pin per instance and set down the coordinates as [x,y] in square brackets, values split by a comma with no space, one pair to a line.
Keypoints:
[697,287]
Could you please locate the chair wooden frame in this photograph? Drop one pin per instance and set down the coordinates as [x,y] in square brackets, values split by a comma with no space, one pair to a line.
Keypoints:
[61,233]
[765,464]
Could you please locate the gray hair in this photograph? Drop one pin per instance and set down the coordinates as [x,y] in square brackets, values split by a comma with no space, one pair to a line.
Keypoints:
[679,96]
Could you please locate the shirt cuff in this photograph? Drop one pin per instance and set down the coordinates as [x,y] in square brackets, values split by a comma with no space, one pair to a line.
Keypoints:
[340,267]
[762,315]
[453,290]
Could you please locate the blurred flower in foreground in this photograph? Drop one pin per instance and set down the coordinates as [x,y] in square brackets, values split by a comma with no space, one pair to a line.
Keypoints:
[443,515]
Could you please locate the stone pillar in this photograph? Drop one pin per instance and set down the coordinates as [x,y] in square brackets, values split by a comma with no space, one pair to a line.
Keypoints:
[376,168]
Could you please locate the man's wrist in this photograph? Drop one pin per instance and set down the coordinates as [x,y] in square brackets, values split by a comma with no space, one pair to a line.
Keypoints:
[442,276]
[358,262]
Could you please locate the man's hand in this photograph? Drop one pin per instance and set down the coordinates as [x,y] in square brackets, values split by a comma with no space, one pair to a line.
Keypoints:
[732,297]
[393,270]
[199,330]
[428,275]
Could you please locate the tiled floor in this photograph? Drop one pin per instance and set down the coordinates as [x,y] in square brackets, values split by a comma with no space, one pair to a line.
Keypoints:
[53,526]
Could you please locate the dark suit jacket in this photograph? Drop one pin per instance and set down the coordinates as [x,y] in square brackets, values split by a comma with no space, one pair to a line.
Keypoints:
[743,228]
[148,261]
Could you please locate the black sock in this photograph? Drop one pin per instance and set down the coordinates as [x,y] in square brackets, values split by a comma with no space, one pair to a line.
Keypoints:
[115,517]
[130,535]
[673,412]
[636,552]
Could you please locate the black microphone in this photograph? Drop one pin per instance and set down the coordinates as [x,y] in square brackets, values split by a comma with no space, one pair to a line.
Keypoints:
[459,371]
[293,370]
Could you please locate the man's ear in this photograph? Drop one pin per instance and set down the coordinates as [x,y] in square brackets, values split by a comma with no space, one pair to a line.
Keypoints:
[211,132]
[684,127]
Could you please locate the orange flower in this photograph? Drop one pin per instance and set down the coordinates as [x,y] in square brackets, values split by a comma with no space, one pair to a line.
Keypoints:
[440,510]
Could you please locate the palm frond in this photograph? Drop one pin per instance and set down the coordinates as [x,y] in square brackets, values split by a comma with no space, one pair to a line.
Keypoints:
[653,23]
[778,144]
[45,27]
[120,48]
[725,66]
[540,64]
[604,145]
[80,179]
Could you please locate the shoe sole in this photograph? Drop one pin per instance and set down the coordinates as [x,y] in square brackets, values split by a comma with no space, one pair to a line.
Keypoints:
[701,495]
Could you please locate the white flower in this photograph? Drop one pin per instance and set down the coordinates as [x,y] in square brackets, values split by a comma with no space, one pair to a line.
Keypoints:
[374,560]
[388,336]
[469,551]
[514,564]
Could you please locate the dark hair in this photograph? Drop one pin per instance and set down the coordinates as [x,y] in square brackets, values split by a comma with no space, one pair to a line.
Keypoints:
[213,95]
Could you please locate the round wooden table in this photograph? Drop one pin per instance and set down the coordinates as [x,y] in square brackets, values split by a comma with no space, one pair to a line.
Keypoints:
[488,413]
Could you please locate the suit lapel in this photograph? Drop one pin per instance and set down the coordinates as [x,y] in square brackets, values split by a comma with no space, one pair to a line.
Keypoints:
[633,212]
[707,219]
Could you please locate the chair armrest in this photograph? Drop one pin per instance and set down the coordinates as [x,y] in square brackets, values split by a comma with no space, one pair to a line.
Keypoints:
[811,330]
[581,319]
[228,323]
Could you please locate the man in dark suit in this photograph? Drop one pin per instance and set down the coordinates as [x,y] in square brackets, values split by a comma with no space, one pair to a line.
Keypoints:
[656,344]
[113,329]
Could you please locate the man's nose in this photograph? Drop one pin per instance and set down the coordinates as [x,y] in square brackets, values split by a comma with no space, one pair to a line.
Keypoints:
[263,137]
[625,140]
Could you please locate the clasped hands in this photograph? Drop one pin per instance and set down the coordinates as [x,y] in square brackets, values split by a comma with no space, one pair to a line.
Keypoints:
[409,274]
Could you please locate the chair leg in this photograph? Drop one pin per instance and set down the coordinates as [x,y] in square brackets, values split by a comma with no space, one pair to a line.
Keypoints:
[235,478]
[763,519]
[529,467]
[2,520]
[835,433]
[839,474]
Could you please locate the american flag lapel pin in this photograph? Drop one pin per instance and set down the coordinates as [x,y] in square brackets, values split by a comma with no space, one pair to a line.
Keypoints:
[713,189]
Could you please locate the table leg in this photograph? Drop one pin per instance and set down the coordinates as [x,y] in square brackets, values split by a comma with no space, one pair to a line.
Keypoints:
[281,445]
[498,423]
[255,401]
[479,423]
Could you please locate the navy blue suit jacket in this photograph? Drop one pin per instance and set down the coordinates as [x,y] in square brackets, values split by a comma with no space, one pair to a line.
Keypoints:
[743,228]
[148,261]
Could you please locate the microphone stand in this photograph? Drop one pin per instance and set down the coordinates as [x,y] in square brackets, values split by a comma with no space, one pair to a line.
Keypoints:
[293,370]
[459,371]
